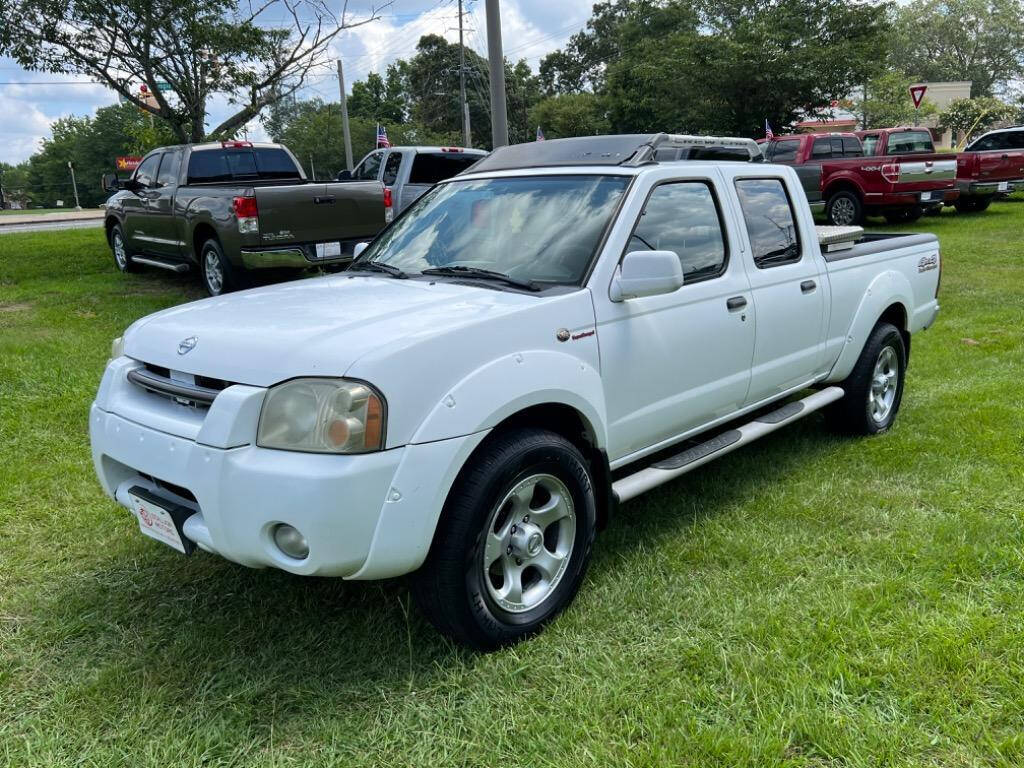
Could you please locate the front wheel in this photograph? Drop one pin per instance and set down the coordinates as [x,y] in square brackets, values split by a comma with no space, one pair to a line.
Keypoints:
[844,209]
[122,259]
[874,389]
[513,541]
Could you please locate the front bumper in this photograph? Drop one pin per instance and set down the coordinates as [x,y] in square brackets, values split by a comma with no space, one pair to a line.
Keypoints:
[364,516]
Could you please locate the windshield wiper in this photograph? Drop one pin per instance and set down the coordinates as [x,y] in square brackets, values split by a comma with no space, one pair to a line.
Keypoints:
[378,266]
[483,274]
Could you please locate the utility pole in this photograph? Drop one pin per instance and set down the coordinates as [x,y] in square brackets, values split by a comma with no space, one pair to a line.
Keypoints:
[3,201]
[74,185]
[344,118]
[499,114]
[463,104]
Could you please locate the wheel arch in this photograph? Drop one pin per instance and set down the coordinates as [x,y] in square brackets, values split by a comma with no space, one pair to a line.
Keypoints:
[843,184]
[108,226]
[201,232]
[887,299]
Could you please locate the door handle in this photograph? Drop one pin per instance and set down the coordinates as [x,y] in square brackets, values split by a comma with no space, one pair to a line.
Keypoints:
[736,303]
[808,286]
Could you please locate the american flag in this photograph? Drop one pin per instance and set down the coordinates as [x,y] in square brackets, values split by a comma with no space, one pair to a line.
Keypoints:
[768,132]
[540,134]
[382,137]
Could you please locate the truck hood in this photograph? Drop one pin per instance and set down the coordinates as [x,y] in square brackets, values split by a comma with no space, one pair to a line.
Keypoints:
[314,327]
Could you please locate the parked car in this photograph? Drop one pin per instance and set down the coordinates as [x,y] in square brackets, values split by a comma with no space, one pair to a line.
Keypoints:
[833,169]
[991,165]
[408,172]
[565,327]
[229,207]
[915,149]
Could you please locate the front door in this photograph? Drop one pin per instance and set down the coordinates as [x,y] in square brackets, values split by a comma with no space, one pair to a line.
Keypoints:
[679,360]
[139,228]
[164,231]
[788,290]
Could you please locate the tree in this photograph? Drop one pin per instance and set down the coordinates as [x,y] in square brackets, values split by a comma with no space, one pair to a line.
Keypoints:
[974,116]
[378,99]
[720,67]
[889,104]
[570,114]
[198,48]
[977,40]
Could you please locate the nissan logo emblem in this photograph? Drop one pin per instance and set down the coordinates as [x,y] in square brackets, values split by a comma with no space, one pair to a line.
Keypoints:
[187,345]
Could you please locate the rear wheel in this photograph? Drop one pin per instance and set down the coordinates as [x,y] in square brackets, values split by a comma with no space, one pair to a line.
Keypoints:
[122,259]
[218,275]
[874,389]
[513,542]
[844,209]
[972,204]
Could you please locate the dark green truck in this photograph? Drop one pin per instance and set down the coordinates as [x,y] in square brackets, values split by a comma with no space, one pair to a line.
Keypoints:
[226,208]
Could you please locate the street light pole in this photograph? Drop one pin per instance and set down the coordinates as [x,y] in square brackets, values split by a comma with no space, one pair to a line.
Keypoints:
[499,114]
[74,185]
[463,104]
[344,118]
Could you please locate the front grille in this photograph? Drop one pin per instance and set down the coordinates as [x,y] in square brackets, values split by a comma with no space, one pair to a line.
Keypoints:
[186,389]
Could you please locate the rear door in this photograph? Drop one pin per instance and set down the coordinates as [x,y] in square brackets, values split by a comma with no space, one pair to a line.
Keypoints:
[787,287]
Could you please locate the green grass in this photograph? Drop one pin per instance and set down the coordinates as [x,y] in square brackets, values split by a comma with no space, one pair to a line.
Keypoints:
[9,212]
[808,601]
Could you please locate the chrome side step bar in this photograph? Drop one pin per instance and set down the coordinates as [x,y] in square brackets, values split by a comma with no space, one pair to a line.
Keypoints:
[668,469]
[173,266]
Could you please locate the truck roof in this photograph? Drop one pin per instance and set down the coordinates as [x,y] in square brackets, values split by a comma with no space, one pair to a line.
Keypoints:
[896,129]
[454,150]
[625,150]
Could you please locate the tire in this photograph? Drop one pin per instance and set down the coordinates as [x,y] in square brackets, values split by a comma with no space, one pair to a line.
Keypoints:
[119,248]
[526,496]
[972,204]
[869,407]
[218,275]
[904,215]
[844,209]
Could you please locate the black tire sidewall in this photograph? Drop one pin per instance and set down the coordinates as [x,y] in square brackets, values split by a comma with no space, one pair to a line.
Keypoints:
[857,205]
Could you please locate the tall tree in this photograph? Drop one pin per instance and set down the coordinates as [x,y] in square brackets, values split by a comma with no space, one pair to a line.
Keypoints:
[977,40]
[194,48]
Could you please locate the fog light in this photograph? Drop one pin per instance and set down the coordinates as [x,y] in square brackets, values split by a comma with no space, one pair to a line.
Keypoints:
[291,542]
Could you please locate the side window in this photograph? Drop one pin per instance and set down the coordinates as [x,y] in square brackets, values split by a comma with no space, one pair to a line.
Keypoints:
[683,217]
[822,149]
[785,151]
[768,214]
[870,142]
[170,169]
[369,168]
[837,146]
[1014,140]
[146,173]
[851,147]
[391,167]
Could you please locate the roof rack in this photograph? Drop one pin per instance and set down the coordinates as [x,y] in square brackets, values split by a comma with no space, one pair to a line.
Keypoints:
[628,150]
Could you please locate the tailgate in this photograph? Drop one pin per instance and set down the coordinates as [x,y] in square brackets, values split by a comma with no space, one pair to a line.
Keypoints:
[926,173]
[313,213]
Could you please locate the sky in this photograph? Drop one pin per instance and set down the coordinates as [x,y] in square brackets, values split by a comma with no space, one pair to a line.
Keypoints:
[31,101]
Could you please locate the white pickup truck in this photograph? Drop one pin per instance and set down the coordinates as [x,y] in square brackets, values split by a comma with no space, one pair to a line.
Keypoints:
[530,344]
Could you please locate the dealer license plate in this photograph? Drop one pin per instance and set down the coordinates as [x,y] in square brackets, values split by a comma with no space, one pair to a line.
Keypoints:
[156,522]
[328,250]
[1004,186]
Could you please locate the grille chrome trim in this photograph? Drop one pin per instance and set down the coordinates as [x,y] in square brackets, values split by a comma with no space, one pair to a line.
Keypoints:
[175,390]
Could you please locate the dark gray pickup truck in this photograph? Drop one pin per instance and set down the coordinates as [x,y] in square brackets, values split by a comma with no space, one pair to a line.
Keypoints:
[229,207]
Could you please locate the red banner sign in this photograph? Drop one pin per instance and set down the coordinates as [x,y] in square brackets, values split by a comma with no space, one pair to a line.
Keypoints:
[128,163]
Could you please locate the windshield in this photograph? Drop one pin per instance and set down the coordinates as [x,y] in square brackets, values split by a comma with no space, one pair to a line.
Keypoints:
[542,229]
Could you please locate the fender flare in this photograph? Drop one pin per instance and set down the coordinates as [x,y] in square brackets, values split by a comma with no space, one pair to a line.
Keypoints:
[513,383]
[842,178]
[888,288]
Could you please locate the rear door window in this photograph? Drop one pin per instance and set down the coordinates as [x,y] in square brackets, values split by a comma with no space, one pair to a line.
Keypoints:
[432,167]
[683,217]
[785,151]
[771,225]
[822,149]
[851,147]
[909,142]
[391,167]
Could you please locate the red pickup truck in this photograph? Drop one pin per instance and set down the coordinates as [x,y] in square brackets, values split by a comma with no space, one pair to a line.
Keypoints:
[834,170]
[990,165]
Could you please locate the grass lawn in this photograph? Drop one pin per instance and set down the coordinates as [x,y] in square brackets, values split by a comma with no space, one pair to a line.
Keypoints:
[807,601]
[9,212]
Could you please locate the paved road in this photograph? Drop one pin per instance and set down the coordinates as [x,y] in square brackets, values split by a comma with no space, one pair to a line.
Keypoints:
[45,225]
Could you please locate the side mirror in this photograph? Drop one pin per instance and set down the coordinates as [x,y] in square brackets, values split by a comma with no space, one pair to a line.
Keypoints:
[358,249]
[344,176]
[647,273]
[110,183]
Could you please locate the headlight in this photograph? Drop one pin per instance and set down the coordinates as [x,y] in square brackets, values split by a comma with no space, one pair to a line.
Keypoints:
[322,416]
[117,348]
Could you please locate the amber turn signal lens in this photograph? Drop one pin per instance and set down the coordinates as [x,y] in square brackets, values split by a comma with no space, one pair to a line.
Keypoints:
[374,424]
